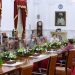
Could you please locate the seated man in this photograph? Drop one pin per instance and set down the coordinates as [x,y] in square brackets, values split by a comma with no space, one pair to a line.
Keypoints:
[14,43]
[4,41]
[32,41]
[16,40]
[54,38]
[4,37]
[68,47]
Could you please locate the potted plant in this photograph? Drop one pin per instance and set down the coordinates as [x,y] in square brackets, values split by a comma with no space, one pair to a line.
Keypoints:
[8,55]
[1,61]
[55,45]
[40,48]
[24,52]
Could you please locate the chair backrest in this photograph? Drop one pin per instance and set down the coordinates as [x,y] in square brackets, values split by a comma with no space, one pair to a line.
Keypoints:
[70,57]
[52,65]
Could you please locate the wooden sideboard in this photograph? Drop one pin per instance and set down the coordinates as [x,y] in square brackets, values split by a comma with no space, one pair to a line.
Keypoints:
[62,35]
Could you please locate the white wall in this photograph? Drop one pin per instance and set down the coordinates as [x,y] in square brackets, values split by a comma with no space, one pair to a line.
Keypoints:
[46,9]
[7,15]
[7,22]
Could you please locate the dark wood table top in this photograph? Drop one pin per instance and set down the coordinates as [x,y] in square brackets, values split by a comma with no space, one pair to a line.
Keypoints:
[27,62]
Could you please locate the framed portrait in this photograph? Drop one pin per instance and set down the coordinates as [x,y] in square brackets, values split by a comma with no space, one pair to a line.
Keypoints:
[60,18]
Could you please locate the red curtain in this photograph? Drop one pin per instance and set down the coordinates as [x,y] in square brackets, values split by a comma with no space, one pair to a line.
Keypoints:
[0,6]
[23,21]
[15,14]
[0,10]
[22,4]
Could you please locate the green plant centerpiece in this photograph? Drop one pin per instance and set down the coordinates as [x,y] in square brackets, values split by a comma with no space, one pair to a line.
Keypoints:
[1,61]
[64,42]
[40,48]
[20,51]
[8,55]
[54,45]
[23,52]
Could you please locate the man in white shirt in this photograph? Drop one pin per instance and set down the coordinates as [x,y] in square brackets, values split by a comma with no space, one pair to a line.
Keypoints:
[54,38]
[61,21]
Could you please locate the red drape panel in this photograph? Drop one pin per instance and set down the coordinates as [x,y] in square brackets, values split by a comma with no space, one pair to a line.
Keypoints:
[0,10]
[22,4]
[15,15]
[0,6]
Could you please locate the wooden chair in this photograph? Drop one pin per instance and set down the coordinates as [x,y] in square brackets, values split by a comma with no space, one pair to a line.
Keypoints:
[50,67]
[26,71]
[66,70]
[22,71]
[14,72]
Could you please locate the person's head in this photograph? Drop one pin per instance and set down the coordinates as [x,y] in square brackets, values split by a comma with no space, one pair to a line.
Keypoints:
[60,15]
[33,37]
[4,35]
[70,41]
[15,33]
[43,39]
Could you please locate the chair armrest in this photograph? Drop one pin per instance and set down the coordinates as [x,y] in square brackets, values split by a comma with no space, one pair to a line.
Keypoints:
[60,64]
[42,69]
[36,73]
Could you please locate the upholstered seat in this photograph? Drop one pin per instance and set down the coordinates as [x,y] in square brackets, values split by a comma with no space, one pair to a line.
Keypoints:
[61,71]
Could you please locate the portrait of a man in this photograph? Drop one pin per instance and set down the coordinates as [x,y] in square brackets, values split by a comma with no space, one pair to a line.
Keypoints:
[60,19]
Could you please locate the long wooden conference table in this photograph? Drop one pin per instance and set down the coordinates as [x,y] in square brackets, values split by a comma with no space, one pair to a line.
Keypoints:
[25,68]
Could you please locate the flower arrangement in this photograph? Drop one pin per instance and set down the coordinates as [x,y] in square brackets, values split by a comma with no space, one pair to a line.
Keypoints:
[54,45]
[64,42]
[1,61]
[40,48]
[8,55]
[24,52]
[47,46]
[36,48]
